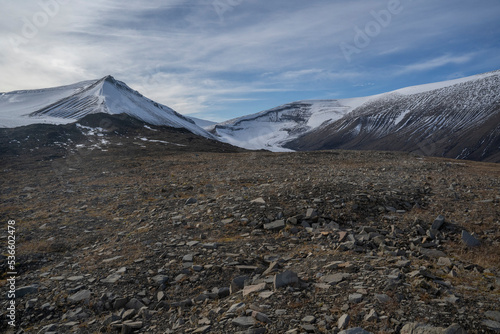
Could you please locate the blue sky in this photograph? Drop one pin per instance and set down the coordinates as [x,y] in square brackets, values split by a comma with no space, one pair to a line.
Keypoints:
[219,59]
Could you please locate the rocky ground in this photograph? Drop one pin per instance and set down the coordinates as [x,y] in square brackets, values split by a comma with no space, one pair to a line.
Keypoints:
[160,239]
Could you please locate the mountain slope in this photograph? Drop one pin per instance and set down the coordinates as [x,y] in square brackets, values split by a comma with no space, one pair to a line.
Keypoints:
[459,121]
[456,118]
[67,104]
[271,129]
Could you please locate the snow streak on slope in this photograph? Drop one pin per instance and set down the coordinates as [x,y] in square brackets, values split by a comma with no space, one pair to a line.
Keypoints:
[70,103]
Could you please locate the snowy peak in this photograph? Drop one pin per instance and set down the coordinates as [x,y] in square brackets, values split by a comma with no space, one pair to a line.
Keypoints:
[271,129]
[70,103]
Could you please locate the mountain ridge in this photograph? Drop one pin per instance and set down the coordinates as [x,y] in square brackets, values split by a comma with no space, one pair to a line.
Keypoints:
[462,123]
[66,104]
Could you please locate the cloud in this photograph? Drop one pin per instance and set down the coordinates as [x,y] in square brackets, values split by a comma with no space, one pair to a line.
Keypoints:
[436,63]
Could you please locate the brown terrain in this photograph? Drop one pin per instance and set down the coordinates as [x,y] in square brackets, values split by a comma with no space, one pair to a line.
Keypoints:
[123,230]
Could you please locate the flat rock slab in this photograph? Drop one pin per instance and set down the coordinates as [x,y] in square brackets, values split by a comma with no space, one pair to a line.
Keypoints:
[469,239]
[334,278]
[286,278]
[244,322]
[254,288]
[275,225]
[343,321]
[112,259]
[355,298]
[80,296]
[493,325]
[438,223]
[26,290]
[259,200]
[493,315]
[111,279]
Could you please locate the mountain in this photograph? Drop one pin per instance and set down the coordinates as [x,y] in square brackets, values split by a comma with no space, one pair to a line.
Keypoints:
[456,119]
[272,129]
[70,103]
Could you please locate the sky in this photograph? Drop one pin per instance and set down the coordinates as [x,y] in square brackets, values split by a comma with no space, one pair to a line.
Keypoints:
[220,59]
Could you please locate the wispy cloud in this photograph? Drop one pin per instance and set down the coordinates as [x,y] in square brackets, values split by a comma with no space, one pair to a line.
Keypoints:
[436,63]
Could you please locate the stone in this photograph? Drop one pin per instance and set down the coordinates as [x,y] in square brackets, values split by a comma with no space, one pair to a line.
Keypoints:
[210,245]
[237,284]
[134,324]
[135,304]
[493,315]
[49,328]
[274,266]
[112,259]
[188,258]
[334,278]
[355,298]
[259,316]
[469,240]
[309,328]
[309,319]
[160,279]
[112,279]
[454,329]
[266,294]
[223,292]
[128,314]
[26,290]
[244,322]
[355,330]
[236,307]
[403,263]
[371,316]
[438,223]
[275,225]
[259,200]
[491,324]
[311,213]
[83,295]
[343,321]
[286,278]
[191,200]
[253,288]
[119,303]
[111,318]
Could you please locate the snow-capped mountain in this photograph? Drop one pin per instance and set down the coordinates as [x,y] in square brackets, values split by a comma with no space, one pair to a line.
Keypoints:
[70,103]
[457,118]
[272,129]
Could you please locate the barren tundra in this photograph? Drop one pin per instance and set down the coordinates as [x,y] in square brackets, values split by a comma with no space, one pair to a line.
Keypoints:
[148,235]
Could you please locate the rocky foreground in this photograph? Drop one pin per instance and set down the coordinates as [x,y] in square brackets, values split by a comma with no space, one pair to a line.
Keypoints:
[252,242]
